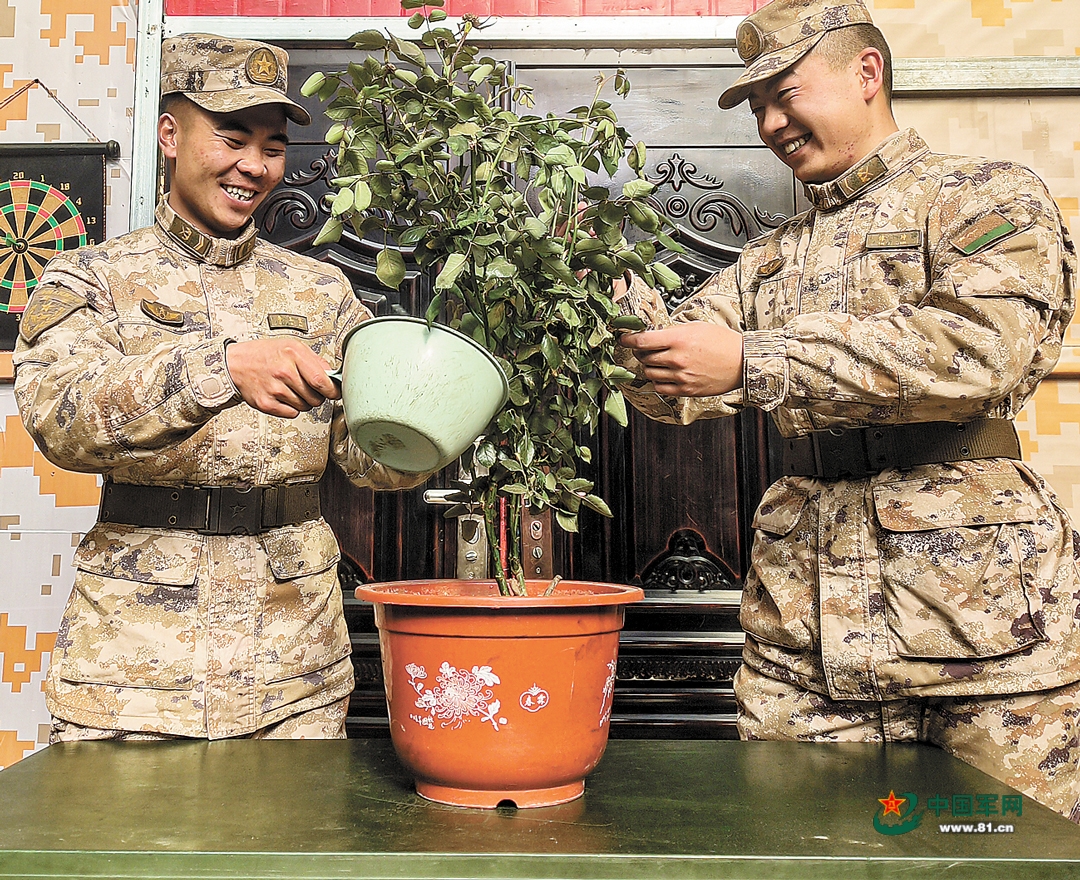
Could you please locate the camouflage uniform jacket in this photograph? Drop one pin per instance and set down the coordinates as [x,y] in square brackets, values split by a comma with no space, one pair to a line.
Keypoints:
[920,287]
[121,371]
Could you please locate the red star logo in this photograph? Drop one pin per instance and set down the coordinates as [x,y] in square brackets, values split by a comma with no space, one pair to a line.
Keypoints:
[892,803]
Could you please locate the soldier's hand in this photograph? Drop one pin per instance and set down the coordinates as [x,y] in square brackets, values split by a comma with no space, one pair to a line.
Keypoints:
[695,359]
[280,377]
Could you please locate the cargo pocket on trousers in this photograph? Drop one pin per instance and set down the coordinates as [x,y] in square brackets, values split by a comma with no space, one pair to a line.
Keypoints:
[131,618]
[302,625]
[955,581]
[779,600]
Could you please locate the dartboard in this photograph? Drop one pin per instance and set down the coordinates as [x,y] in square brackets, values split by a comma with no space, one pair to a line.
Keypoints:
[36,221]
[52,199]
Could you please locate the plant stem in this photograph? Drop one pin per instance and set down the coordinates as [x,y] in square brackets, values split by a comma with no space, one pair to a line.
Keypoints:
[514,544]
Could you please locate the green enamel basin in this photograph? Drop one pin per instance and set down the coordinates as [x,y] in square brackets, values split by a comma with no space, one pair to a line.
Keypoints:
[416,396]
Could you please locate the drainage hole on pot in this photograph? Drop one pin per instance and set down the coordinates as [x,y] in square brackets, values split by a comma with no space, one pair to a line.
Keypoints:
[506,806]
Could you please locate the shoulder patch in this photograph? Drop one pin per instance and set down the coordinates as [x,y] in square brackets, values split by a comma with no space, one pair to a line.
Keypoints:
[48,306]
[983,232]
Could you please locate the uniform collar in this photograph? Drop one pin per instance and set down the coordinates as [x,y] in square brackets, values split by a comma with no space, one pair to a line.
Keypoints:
[216,251]
[893,154]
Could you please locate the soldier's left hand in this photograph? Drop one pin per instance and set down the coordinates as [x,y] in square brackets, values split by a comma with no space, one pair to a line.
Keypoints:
[695,359]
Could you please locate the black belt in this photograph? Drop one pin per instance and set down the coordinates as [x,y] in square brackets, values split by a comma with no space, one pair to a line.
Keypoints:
[211,510]
[853,453]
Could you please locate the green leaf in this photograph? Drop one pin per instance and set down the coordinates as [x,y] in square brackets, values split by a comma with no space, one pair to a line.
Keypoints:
[567,521]
[407,51]
[334,133]
[457,144]
[670,243]
[630,260]
[331,231]
[417,19]
[615,406]
[500,267]
[343,202]
[636,157]
[560,155]
[312,84]
[536,228]
[431,314]
[666,276]
[368,40]
[552,353]
[413,4]
[390,267]
[598,504]
[451,269]
[635,189]
[486,455]
[436,14]
[628,322]
[361,196]
[482,72]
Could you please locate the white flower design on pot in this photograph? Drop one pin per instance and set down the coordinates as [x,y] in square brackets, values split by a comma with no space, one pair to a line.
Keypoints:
[609,695]
[459,696]
[534,699]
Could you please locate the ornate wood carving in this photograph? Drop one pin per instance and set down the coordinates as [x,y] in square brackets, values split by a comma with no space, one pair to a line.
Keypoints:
[688,564]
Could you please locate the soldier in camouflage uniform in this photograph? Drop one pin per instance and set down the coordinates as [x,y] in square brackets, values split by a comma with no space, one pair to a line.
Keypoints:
[187,363]
[911,579]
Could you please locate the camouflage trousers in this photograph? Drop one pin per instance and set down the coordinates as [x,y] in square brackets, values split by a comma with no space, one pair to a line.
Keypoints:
[324,722]
[1031,741]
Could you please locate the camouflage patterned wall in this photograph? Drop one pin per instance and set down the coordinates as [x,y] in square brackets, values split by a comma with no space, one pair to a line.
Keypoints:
[84,50]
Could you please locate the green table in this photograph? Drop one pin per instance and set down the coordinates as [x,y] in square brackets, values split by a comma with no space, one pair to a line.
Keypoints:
[654,810]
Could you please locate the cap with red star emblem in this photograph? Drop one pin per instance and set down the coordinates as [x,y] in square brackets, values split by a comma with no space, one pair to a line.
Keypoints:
[222,74]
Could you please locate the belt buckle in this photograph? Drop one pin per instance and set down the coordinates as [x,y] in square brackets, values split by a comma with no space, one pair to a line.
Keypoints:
[234,511]
[840,453]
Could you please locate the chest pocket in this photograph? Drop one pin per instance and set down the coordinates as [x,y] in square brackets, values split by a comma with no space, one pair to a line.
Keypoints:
[891,270]
[131,618]
[149,324]
[956,568]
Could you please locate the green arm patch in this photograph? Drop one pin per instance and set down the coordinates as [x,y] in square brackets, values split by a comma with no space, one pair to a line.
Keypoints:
[986,231]
[48,306]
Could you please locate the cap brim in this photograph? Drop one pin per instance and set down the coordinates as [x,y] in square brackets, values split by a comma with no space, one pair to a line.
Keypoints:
[228,100]
[766,67]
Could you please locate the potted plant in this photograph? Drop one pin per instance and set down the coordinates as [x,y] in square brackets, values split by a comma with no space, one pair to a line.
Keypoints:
[517,218]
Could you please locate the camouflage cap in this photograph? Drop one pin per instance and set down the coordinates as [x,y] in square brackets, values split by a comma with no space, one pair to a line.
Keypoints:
[780,33]
[222,74]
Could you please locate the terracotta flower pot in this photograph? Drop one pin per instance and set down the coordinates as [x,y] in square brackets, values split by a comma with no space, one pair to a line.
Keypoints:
[493,698]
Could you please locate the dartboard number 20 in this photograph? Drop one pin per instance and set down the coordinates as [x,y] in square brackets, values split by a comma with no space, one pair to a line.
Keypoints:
[52,199]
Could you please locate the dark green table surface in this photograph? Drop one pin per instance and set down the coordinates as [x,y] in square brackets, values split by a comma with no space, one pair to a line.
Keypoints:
[652,809]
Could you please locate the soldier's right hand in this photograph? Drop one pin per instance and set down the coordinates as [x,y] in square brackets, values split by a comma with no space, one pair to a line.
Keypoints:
[280,377]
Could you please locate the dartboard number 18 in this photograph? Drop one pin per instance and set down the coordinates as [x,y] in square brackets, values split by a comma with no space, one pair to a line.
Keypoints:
[52,199]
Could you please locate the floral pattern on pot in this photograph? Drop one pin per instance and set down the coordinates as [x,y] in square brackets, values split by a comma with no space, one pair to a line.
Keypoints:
[459,696]
[609,694]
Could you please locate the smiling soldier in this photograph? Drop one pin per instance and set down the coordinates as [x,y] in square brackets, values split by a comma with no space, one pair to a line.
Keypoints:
[187,363]
[911,579]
